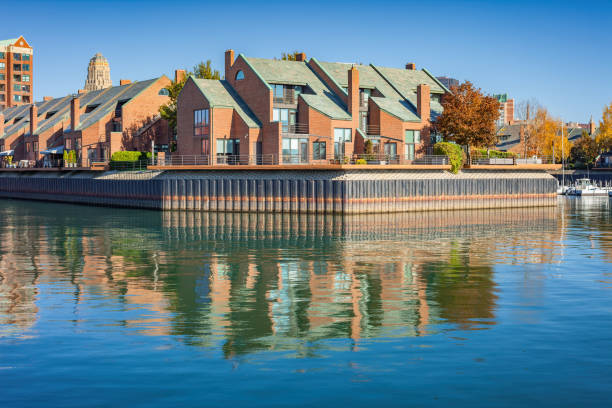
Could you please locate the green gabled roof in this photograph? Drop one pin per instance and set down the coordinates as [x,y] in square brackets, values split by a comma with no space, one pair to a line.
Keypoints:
[324,99]
[220,94]
[405,81]
[391,102]
[4,43]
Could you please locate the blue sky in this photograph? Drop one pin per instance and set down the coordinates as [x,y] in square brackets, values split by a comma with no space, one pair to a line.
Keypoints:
[555,51]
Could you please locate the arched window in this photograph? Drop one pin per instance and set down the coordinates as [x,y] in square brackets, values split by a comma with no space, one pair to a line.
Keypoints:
[239,75]
[164,92]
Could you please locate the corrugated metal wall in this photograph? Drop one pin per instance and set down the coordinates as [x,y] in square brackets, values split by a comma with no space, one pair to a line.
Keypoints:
[234,194]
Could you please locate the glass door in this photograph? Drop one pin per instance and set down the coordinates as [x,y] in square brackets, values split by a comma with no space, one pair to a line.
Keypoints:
[304,151]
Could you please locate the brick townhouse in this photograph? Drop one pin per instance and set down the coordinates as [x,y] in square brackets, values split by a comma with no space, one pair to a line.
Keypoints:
[307,111]
[95,124]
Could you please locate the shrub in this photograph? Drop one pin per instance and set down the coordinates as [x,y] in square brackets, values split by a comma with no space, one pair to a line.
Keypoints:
[361,161]
[494,154]
[128,156]
[453,151]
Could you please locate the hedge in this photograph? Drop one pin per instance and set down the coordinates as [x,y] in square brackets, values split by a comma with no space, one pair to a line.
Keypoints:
[453,151]
[494,154]
[128,156]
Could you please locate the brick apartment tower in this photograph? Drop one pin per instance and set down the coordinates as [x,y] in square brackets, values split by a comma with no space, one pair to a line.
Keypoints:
[16,67]
[98,74]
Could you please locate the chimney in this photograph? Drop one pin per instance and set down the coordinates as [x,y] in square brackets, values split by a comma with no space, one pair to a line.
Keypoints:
[75,113]
[353,92]
[33,118]
[82,91]
[423,108]
[1,124]
[124,82]
[411,66]
[179,75]
[300,56]
[591,126]
[47,98]
[229,62]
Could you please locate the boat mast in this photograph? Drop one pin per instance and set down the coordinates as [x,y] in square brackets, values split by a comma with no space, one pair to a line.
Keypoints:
[562,155]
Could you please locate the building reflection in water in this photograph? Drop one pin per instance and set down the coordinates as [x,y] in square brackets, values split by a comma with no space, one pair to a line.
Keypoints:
[251,282]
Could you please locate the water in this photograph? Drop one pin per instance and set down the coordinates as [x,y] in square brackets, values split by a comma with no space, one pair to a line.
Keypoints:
[114,307]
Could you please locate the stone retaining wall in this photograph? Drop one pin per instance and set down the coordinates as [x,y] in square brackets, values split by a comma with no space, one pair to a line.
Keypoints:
[344,191]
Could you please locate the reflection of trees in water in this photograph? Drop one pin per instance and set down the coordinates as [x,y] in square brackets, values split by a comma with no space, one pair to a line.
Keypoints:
[262,281]
[462,291]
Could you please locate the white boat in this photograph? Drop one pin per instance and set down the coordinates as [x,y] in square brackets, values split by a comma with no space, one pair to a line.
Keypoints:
[585,187]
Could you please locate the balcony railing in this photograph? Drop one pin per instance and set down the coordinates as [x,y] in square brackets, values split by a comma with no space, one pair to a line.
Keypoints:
[287,99]
[371,129]
[510,161]
[297,128]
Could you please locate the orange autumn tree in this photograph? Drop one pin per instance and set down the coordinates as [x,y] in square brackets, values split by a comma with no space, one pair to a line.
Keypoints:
[468,118]
[604,136]
[546,132]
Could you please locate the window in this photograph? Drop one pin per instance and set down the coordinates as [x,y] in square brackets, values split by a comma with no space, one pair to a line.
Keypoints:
[411,139]
[2,98]
[162,92]
[200,122]
[25,78]
[2,56]
[278,90]
[17,57]
[2,76]
[319,151]
[68,144]
[17,98]
[436,98]
[25,88]
[26,57]
[17,88]
[228,147]
[25,67]
[35,146]
[391,149]
[341,135]
[28,147]
[17,78]
[239,75]
[26,99]
[2,65]
[91,108]
[365,95]
[77,145]
[16,67]
[205,147]
[295,150]
[2,87]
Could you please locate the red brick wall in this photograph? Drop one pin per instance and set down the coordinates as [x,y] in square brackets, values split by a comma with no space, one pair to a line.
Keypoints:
[328,81]
[190,99]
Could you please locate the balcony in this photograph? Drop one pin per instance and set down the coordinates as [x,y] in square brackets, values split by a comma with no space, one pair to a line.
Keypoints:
[289,99]
[297,128]
[373,130]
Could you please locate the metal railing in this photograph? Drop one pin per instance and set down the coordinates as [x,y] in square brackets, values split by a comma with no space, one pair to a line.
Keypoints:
[194,160]
[296,128]
[510,161]
[288,99]
[371,129]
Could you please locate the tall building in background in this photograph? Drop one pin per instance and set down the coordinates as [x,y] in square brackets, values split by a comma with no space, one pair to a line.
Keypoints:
[98,74]
[16,59]
[448,82]
[506,113]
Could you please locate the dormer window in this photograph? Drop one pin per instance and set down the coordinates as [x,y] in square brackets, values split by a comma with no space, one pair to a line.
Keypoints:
[239,75]
[90,108]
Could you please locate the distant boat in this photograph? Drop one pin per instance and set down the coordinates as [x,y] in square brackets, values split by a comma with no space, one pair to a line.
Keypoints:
[585,187]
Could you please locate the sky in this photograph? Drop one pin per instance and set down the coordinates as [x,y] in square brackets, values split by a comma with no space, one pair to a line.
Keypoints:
[556,52]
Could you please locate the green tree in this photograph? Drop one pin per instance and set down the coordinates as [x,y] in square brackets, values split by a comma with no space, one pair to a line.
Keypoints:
[584,150]
[468,118]
[202,70]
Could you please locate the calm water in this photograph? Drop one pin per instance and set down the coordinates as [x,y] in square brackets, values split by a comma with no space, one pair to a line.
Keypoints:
[114,307]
